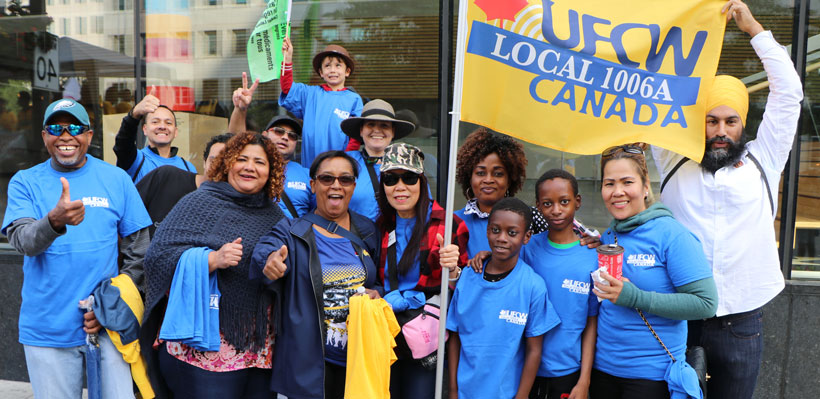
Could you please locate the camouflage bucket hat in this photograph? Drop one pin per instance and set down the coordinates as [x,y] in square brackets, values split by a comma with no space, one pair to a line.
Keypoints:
[403,156]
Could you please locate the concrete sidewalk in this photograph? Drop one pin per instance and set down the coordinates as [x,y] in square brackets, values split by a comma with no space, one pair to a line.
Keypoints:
[20,390]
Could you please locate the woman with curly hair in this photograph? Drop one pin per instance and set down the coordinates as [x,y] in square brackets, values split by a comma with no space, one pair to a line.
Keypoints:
[214,228]
[489,168]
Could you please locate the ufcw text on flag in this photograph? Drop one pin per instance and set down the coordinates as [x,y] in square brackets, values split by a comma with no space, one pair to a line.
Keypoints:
[583,76]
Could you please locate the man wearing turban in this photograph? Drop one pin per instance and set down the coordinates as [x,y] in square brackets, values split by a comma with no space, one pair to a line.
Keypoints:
[729,201]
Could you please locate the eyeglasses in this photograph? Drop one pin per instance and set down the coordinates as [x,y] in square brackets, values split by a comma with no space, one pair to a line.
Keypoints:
[627,148]
[74,130]
[391,179]
[279,132]
[328,180]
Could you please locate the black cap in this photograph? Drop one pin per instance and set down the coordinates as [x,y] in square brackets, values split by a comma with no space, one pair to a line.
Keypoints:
[297,127]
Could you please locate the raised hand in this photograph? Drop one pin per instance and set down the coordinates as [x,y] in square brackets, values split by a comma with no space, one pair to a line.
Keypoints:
[287,51]
[66,212]
[242,96]
[149,104]
[743,17]
[275,265]
[227,256]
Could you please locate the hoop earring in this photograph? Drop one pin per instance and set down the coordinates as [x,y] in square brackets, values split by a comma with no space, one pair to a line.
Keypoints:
[470,193]
[507,194]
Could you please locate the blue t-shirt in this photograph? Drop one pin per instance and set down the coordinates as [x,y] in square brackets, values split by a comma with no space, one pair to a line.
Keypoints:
[408,281]
[322,113]
[478,232]
[297,187]
[659,255]
[192,312]
[566,272]
[342,274]
[492,320]
[76,262]
[153,161]
[364,200]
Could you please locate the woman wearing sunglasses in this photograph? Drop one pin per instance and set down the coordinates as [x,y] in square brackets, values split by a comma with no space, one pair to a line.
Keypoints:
[666,280]
[412,255]
[376,128]
[314,264]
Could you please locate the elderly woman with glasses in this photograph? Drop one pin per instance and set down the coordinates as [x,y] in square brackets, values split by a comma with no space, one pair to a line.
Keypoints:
[666,281]
[314,264]
[413,257]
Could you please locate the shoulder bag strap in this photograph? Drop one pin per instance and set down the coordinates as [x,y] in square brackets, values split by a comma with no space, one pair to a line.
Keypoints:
[672,172]
[652,330]
[374,180]
[134,179]
[765,180]
[284,197]
[334,228]
[392,264]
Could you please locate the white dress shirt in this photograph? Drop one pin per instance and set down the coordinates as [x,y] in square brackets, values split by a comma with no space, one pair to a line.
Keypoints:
[729,211]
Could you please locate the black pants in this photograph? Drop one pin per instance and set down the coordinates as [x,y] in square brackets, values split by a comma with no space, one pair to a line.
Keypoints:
[554,387]
[334,381]
[605,386]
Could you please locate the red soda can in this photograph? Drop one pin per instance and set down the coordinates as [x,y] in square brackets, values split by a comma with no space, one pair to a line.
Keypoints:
[611,257]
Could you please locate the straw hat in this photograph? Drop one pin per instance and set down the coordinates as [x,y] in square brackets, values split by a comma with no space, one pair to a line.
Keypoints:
[376,110]
[336,51]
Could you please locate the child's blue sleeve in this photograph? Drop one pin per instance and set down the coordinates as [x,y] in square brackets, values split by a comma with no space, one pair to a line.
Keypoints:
[452,319]
[357,106]
[542,316]
[295,100]
[593,305]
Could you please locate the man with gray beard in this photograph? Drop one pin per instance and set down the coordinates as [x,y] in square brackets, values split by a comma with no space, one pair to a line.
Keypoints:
[729,202]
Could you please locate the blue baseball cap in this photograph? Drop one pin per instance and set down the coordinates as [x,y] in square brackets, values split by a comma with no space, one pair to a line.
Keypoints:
[67,106]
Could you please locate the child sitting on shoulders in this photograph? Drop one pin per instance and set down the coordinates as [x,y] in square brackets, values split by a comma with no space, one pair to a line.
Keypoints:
[321,108]
[497,318]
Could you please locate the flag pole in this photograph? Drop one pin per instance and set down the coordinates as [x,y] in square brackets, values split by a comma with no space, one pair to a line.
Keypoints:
[461,41]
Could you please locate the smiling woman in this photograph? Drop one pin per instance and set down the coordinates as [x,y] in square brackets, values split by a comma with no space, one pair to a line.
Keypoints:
[376,128]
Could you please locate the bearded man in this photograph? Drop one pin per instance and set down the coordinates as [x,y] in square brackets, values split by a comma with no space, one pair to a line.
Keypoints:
[729,202]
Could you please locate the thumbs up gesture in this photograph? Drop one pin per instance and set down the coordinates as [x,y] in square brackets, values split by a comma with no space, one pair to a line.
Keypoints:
[66,212]
[275,265]
[228,255]
[149,104]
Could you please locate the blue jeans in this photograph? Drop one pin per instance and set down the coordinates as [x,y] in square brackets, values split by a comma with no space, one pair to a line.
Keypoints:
[734,347]
[59,372]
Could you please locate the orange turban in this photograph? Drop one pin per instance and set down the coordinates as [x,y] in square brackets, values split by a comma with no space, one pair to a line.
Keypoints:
[730,91]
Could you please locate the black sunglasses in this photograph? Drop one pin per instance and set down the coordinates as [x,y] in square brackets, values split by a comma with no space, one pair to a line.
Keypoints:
[627,148]
[344,180]
[74,130]
[279,132]
[391,179]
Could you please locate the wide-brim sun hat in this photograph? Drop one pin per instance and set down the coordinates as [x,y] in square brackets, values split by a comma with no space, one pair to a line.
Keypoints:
[334,50]
[377,110]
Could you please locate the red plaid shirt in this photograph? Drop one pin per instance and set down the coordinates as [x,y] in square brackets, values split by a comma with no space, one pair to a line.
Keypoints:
[430,272]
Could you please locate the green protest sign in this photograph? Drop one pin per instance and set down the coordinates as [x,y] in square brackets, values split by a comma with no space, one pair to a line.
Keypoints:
[265,43]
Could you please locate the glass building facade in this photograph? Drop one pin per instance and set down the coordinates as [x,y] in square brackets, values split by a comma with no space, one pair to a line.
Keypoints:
[108,53]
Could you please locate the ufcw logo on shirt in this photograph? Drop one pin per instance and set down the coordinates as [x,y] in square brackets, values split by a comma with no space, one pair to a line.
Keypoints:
[511,316]
[641,260]
[576,287]
[297,185]
[96,202]
[341,114]
[214,302]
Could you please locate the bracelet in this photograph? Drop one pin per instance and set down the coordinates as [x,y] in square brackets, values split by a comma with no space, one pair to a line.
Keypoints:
[457,276]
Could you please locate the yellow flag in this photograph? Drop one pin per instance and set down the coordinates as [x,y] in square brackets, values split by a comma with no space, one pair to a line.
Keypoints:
[580,76]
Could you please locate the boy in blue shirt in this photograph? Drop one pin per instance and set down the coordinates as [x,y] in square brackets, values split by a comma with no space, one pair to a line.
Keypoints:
[321,108]
[497,318]
[565,265]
